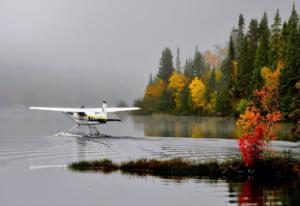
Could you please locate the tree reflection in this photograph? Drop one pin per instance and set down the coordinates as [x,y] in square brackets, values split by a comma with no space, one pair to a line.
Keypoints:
[262,193]
[188,126]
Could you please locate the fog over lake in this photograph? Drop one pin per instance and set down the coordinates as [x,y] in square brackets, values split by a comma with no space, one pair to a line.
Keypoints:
[74,52]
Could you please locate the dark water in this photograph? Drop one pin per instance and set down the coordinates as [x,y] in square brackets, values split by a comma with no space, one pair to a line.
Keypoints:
[33,163]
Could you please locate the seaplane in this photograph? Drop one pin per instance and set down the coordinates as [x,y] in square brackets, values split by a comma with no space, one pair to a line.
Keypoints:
[89,117]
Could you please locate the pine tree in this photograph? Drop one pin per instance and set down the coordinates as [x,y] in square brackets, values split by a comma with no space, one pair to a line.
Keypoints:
[291,72]
[240,36]
[253,37]
[150,79]
[261,57]
[285,37]
[276,50]
[295,114]
[199,67]
[188,68]
[166,65]
[166,101]
[178,63]
[223,104]
[211,85]
[226,86]
[244,72]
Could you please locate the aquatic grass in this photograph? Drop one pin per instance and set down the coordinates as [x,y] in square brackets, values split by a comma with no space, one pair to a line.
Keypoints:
[271,167]
[104,165]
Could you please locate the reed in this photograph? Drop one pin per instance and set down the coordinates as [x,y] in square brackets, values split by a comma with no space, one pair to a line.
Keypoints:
[273,167]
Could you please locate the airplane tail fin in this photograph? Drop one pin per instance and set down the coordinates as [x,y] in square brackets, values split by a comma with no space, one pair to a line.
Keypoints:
[104,107]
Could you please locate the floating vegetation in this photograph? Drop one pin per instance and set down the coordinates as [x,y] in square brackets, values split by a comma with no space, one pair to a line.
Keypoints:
[275,167]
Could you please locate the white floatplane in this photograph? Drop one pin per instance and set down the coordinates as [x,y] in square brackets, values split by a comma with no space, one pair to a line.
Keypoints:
[88,116]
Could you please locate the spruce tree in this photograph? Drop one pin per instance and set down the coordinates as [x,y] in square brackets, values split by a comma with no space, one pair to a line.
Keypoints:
[295,114]
[166,65]
[223,104]
[244,71]
[178,63]
[188,68]
[240,36]
[253,37]
[199,67]
[261,57]
[290,74]
[211,85]
[276,47]
[226,86]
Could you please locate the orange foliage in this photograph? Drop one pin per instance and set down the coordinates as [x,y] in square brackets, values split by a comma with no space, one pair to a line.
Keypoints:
[155,89]
[263,117]
[211,59]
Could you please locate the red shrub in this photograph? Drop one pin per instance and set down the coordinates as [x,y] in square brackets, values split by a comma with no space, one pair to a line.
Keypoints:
[252,145]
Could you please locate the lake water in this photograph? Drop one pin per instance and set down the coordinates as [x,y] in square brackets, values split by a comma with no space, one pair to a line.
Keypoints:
[33,162]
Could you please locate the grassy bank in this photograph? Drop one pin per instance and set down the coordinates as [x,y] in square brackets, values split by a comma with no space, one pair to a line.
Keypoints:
[268,169]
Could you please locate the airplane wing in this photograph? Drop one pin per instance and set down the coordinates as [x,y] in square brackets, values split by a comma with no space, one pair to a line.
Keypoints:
[121,109]
[74,110]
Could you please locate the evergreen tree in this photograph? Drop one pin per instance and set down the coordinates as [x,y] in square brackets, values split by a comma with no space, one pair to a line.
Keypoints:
[294,19]
[253,37]
[166,65]
[261,57]
[285,37]
[199,67]
[166,102]
[295,114]
[211,85]
[223,104]
[226,87]
[150,79]
[276,50]
[188,68]
[244,72]
[178,63]
[240,36]
[291,72]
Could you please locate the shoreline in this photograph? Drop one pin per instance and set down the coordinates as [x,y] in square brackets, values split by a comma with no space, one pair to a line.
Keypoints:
[276,168]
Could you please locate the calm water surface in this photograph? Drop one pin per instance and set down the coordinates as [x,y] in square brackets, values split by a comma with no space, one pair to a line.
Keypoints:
[33,160]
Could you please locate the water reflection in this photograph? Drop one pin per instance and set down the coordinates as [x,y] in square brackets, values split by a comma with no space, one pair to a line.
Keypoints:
[257,193]
[192,126]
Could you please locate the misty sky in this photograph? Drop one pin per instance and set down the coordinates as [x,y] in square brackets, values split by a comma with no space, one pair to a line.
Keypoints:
[73,52]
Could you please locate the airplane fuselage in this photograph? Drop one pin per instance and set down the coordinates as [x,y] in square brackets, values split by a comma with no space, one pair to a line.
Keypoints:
[91,118]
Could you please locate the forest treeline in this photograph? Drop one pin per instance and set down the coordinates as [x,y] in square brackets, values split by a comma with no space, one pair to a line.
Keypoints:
[224,82]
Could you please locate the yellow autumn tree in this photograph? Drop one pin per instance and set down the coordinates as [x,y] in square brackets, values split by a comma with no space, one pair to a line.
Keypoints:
[197,89]
[155,89]
[176,84]
[271,84]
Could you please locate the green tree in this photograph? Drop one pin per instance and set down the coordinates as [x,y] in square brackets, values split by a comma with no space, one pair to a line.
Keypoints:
[223,105]
[261,57]
[276,48]
[253,37]
[199,67]
[225,96]
[166,65]
[178,62]
[188,68]
[295,114]
[211,85]
[290,74]
[166,102]
[244,72]
[240,36]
